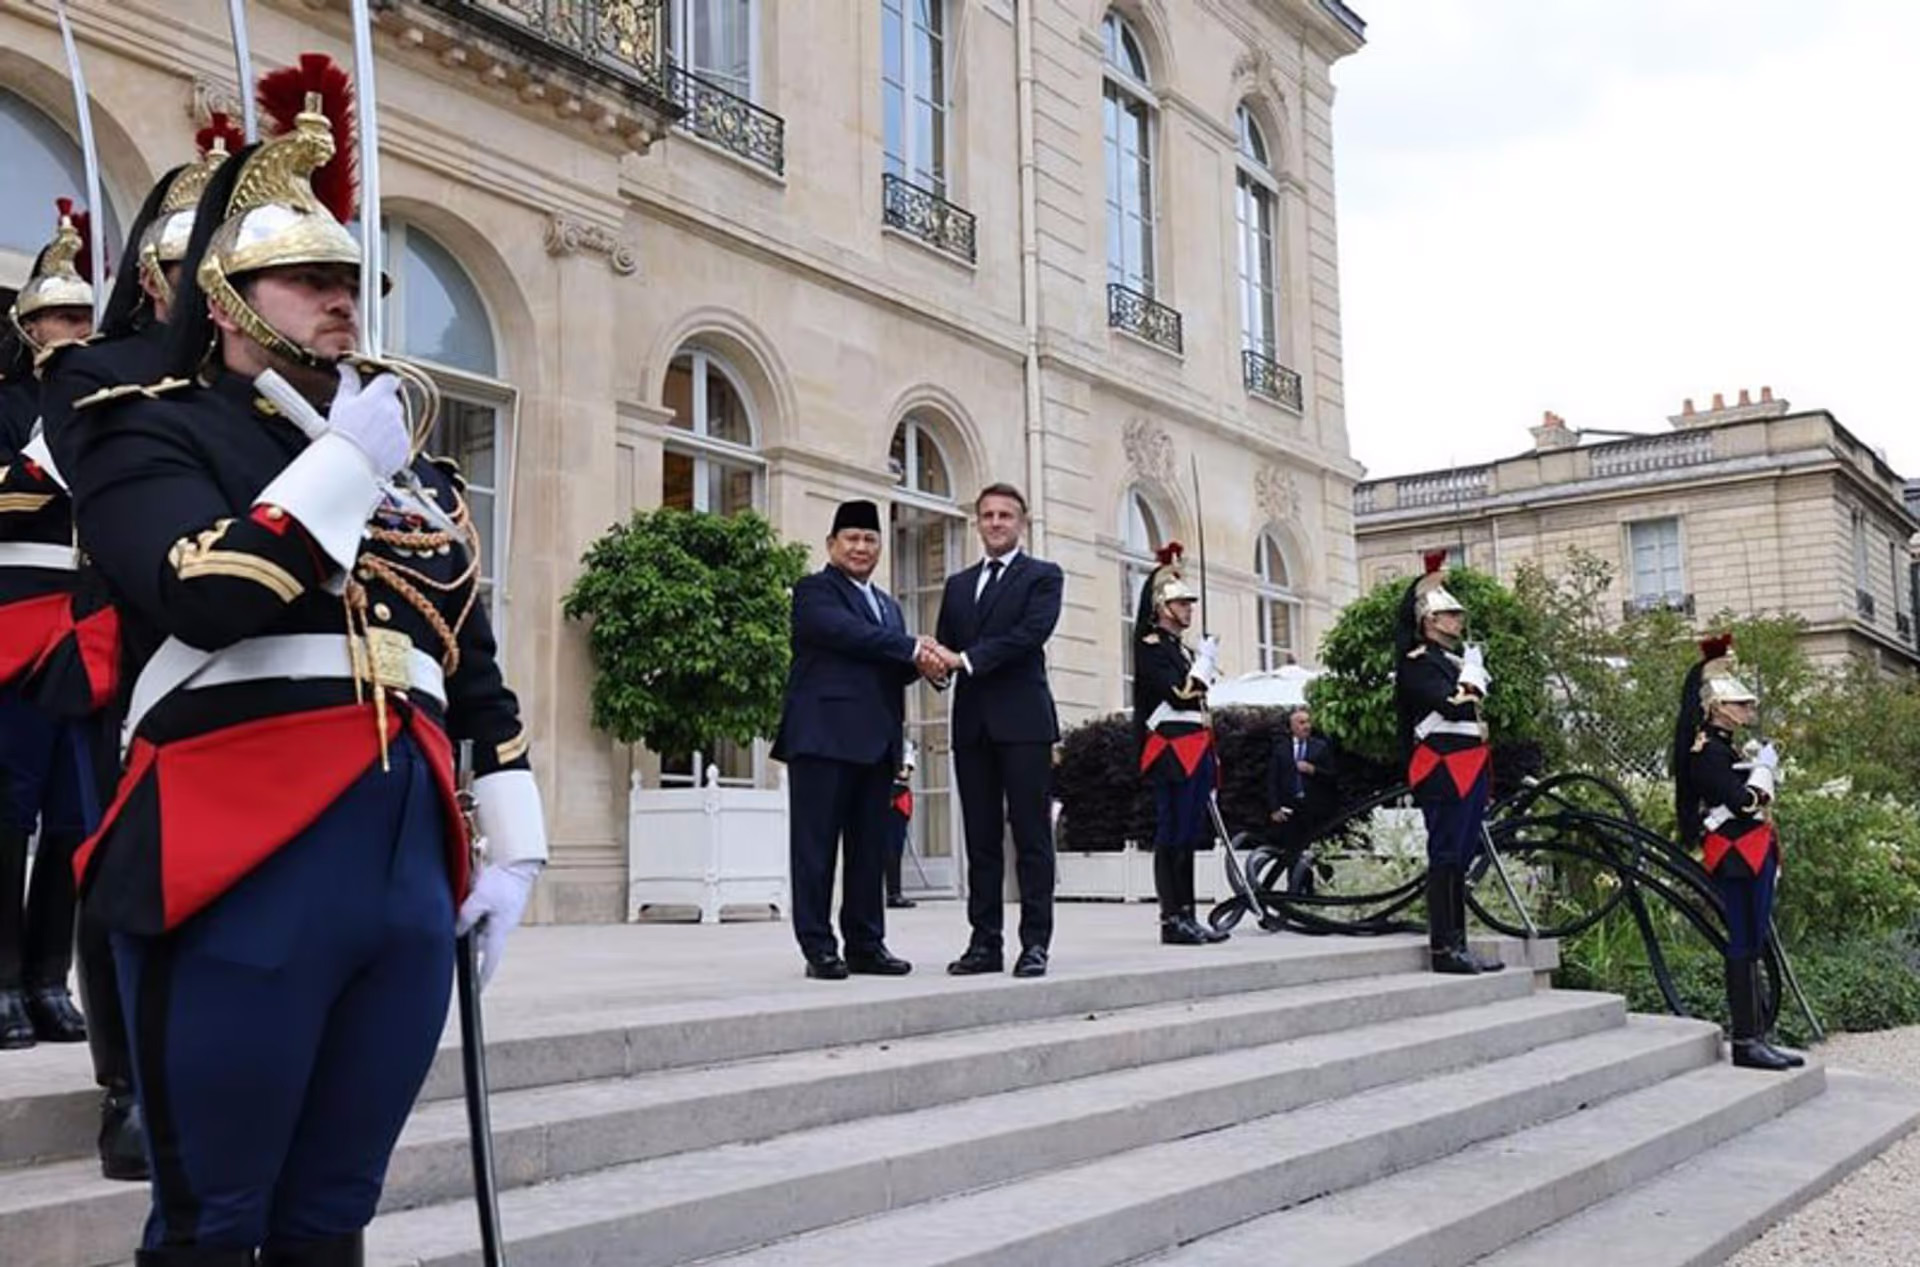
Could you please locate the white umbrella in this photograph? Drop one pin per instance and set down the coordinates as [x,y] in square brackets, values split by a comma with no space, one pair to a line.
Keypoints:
[1278,688]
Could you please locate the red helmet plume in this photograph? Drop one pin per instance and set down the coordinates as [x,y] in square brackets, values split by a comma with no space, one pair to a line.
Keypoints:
[1714,646]
[1434,560]
[282,95]
[220,129]
[1169,553]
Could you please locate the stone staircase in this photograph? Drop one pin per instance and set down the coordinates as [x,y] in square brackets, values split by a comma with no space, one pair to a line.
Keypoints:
[1319,1099]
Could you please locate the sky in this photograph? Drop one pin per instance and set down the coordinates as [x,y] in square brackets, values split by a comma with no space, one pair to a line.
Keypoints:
[1599,207]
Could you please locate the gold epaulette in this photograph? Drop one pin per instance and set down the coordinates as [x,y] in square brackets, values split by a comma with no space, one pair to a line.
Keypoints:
[43,356]
[1700,741]
[152,391]
[1152,640]
[1417,652]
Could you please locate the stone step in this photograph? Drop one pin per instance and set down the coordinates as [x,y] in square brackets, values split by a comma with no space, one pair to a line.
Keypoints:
[1450,1212]
[1381,1097]
[547,1133]
[1702,1211]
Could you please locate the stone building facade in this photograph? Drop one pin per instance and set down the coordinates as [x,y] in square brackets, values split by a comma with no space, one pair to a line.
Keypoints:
[778,253]
[1750,507]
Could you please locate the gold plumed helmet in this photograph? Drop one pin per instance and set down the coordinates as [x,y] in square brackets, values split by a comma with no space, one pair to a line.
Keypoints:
[1719,682]
[165,241]
[1430,595]
[59,278]
[1163,585]
[291,197]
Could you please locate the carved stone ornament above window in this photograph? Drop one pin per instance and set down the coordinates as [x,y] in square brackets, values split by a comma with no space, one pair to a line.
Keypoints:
[567,236]
[208,95]
[1277,493]
[1149,450]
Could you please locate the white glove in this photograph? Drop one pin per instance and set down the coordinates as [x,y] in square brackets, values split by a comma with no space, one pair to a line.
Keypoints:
[1760,779]
[494,908]
[371,416]
[1767,755]
[1206,664]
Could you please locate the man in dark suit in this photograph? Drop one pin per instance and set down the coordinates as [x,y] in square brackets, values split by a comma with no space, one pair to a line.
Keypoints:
[1300,780]
[840,736]
[995,619]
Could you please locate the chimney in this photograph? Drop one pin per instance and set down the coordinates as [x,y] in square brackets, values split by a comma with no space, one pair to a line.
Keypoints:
[1553,433]
[1743,409]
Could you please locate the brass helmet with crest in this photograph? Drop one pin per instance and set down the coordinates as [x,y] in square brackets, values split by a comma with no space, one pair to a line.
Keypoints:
[1719,675]
[1163,585]
[60,276]
[290,199]
[165,241]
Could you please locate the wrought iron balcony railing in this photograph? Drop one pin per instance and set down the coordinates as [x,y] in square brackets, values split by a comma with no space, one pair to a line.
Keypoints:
[1864,602]
[1672,601]
[1129,310]
[927,216]
[620,40]
[729,121]
[1903,625]
[1266,377]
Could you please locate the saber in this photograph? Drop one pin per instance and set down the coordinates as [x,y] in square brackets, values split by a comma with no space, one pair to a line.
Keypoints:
[91,157]
[372,263]
[473,1056]
[1506,882]
[1200,540]
[243,65]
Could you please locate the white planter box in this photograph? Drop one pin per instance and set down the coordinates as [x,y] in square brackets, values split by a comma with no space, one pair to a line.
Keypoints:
[1127,875]
[708,847]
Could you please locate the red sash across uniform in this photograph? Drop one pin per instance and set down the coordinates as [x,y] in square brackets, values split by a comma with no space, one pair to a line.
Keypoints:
[227,800]
[1752,845]
[27,630]
[1464,766]
[1187,749]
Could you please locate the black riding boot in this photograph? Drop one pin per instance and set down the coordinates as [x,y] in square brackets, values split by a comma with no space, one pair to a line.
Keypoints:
[16,1027]
[1792,1060]
[1743,1009]
[336,1251]
[1446,940]
[123,1142]
[1190,904]
[193,1256]
[1458,896]
[1176,926]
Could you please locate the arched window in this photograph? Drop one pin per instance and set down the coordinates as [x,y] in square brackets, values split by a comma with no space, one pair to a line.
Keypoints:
[710,460]
[42,163]
[715,40]
[435,316]
[1140,536]
[929,544]
[1254,201]
[914,91]
[1279,631]
[1127,110]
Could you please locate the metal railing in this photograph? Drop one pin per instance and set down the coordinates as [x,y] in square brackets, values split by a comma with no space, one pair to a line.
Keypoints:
[1266,377]
[728,120]
[1672,601]
[620,39]
[925,215]
[1903,625]
[1864,602]
[1138,314]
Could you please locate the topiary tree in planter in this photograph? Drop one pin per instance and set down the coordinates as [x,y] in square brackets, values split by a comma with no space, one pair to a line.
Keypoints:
[688,619]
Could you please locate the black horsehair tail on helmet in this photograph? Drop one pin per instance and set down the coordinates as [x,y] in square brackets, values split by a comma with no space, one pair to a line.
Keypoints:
[127,305]
[1690,717]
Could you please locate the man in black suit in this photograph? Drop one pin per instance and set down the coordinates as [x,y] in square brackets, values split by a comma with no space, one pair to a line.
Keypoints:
[1300,780]
[840,736]
[995,619]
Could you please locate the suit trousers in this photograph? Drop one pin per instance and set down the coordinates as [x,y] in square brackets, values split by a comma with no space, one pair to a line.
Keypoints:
[830,802]
[46,780]
[282,1034]
[1002,784]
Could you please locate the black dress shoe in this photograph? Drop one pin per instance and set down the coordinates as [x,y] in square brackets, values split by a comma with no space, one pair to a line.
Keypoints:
[55,1018]
[123,1137]
[1751,1053]
[1031,963]
[877,961]
[1456,962]
[1793,1060]
[16,1027]
[827,966]
[337,1251]
[977,960]
[1177,930]
[898,902]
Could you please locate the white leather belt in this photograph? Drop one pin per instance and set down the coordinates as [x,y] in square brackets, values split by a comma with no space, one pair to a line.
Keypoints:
[1717,817]
[1435,724]
[36,554]
[291,657]
[1167,712]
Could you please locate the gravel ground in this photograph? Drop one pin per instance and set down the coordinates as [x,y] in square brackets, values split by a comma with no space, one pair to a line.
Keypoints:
[1871,1219]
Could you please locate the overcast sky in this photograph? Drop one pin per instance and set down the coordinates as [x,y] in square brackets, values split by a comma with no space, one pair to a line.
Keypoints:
[1602,206]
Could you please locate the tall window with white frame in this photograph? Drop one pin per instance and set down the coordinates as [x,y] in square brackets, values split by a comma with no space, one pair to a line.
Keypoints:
[1862,584]
[1654,547]
[435,316]
[1254,200]
[1127,116]
[913,91]
[709,465]
[1279,610]
[1140,537]
[714,39]
[929,543]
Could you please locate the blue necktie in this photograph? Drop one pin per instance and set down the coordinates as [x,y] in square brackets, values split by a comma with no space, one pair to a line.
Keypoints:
[873,605]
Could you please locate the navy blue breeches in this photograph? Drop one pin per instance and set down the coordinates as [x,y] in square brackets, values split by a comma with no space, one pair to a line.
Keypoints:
[1749,904]
[47,766]
[281,1035]
[1453,827]
[1180,818]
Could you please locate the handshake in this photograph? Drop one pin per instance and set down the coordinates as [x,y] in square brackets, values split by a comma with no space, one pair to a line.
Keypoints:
[935,662]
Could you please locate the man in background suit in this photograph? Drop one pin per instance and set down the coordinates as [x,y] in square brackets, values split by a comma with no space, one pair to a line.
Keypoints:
[840,736]
[995,619]
[1300,780]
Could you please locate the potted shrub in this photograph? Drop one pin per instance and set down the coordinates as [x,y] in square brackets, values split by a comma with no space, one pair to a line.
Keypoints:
[687,617]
